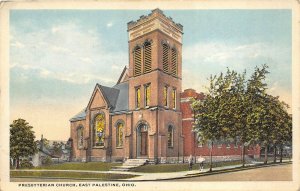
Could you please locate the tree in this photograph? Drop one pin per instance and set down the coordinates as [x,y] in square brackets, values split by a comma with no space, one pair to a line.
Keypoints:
[259,116]
[236,108]
[211,113]
[22,142]
[57,148]
[283,130]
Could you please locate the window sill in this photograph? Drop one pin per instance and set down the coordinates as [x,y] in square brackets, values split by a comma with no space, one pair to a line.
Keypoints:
[120,147]
[170,147]
[98,147]
[147,107]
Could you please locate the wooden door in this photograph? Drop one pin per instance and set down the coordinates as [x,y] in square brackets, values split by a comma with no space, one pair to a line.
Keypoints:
[144,141]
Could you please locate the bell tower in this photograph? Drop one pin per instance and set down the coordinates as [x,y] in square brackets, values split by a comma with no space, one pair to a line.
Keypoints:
[155,57]
[155,75]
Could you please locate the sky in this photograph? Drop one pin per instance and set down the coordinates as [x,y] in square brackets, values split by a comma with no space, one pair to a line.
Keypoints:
[57,56]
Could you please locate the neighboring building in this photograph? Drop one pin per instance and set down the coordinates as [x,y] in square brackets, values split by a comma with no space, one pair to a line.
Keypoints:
[192,145]
[140,116]
[47,151]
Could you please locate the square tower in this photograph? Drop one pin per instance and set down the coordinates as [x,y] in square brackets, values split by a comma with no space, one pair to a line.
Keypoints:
[155,72]
[155,58]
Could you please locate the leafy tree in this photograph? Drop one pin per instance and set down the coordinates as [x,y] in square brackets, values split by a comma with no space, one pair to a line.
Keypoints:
[259,126]
[283,133]
[22,142]
[238,109]
[211,113]
[57,148]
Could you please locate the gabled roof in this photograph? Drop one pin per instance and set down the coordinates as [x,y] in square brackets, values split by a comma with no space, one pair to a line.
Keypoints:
[116,97]
[110,94]
[124,75]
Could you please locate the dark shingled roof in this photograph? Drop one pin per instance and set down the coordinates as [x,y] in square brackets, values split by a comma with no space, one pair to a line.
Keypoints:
[116,96]
[110,94]
[122,100]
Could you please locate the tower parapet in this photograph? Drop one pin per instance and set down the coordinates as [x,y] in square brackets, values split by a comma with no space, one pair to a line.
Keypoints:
[156,20]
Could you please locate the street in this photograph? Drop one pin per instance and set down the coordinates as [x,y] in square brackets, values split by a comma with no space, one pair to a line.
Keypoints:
[272,173]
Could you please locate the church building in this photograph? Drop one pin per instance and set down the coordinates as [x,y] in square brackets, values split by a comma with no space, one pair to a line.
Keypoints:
[146,114]
[140,116]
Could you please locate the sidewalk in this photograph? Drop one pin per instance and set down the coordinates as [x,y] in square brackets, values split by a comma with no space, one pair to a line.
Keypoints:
[170,175]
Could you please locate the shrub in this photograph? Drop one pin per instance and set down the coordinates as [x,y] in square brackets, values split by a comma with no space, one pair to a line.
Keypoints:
[47,161]
[25,163]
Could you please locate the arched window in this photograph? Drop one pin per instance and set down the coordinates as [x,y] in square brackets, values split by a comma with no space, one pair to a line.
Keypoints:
[119,134]
[99,130]
[137,60]
[147,57]
[170,136]
[80,137]
[165,58]
[174,68]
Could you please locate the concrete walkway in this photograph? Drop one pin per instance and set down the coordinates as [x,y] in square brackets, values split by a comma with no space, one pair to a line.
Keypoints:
[162,176]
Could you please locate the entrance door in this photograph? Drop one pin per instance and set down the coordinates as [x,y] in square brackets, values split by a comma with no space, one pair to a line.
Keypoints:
[144,141]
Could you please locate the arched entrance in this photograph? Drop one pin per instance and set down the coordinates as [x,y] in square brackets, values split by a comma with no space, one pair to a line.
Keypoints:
[142,141]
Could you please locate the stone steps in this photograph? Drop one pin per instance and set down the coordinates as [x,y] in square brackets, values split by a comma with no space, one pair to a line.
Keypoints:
[129,164]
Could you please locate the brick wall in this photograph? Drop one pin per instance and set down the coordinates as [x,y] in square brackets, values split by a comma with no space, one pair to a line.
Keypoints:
[191,146]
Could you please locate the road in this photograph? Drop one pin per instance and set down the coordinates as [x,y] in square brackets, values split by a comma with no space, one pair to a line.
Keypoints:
[271,173]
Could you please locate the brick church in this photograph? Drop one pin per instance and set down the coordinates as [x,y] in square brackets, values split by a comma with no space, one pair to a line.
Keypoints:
[146,114]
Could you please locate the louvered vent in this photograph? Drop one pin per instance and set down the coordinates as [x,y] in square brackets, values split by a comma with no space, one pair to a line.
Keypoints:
[147,58]
[174,63]
[137,61]
[165,58]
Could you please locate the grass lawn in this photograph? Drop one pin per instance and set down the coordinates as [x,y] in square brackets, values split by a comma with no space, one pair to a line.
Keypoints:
[97,166]
[49,174]
[178,167]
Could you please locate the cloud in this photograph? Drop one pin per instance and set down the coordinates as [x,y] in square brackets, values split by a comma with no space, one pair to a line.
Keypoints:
[200,60]
[17,44]
[109,24]
[66,52]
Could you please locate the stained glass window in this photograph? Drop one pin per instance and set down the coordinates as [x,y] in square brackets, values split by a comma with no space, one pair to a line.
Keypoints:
[170,136]
[174,98]
[99,130]
[80,137]
[147,95]
[119,134]
[165,98]
[138,97]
